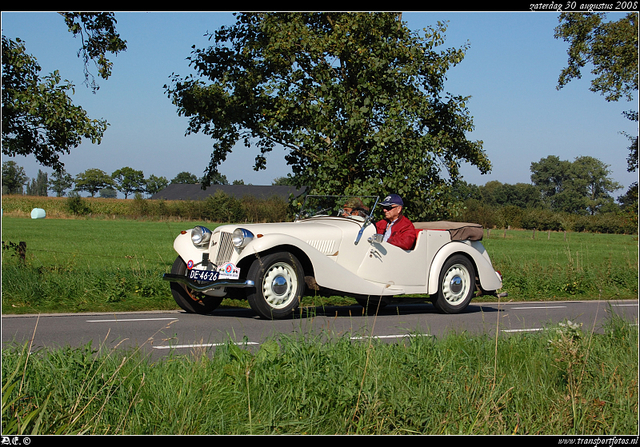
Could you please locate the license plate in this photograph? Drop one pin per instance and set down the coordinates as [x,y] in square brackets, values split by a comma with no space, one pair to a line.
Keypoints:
[203,275]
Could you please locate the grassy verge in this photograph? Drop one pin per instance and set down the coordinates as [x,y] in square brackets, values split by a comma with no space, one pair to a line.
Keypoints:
[75,265]
[558,265]
[560,381]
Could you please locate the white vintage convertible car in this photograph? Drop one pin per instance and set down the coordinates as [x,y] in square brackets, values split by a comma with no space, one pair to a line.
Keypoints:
[330,248]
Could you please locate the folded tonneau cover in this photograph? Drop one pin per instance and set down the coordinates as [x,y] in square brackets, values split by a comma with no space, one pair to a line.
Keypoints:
[459,231]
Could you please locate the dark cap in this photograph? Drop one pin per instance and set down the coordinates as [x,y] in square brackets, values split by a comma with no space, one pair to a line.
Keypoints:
[392,199]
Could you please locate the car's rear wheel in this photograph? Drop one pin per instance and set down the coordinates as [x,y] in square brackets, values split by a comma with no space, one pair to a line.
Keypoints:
[279,284]
[456,285]
[188,299]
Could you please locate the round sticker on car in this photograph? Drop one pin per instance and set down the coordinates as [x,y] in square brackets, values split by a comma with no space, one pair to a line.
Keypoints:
[190,264]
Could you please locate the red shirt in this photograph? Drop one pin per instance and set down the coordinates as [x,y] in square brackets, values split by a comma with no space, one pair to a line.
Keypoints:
[403,233]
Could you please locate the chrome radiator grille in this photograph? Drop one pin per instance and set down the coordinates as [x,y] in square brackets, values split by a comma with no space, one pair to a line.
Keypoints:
[222,248]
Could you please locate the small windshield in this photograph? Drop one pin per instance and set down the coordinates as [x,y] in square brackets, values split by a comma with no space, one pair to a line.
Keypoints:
[354,207]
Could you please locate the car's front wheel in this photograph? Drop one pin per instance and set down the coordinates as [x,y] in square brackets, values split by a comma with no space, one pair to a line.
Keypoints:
[187,298]
[279,284]
[456,285]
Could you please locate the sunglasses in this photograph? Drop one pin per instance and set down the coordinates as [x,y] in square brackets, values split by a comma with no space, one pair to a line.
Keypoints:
[387,208]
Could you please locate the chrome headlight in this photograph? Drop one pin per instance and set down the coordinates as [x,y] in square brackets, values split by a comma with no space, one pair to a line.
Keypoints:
[200,236]
[241,237]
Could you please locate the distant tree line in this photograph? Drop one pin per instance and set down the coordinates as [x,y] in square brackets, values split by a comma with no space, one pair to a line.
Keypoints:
[93,181]
[581,187]
[563,195]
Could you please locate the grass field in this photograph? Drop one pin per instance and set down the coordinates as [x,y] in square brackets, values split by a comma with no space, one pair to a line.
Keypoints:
[75,265]
[556,265]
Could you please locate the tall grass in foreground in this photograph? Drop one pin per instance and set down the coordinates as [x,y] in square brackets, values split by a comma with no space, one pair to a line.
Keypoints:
[560,381]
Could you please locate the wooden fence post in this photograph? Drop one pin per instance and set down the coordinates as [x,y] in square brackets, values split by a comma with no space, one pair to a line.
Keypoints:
[22,251]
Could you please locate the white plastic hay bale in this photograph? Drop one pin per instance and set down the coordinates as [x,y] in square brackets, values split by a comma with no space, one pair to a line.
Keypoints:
[38,213]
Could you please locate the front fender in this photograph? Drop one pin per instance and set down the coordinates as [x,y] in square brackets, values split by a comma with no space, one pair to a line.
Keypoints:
[270,241]
[184,247]
[487,276]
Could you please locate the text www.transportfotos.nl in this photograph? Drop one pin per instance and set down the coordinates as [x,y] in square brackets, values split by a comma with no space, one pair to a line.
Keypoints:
[600,441]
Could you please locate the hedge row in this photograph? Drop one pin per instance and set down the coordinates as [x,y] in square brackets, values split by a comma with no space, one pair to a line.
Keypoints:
[541,219]
[223,208]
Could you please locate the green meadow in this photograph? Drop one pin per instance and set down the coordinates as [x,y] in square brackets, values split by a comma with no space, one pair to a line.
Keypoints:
[75,265]
[557,265]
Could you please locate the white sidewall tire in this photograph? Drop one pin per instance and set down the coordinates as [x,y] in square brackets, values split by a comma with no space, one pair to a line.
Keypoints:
[279,284]
[456,286]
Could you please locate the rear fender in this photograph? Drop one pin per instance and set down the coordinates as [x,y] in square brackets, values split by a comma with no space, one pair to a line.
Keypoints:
[475,251]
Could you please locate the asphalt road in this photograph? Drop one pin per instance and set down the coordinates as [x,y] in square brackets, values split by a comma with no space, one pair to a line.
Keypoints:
[161,332]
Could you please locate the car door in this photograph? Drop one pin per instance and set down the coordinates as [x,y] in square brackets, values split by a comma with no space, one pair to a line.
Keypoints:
[387,264]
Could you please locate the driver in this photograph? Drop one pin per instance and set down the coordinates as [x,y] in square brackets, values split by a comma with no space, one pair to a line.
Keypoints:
[396,228]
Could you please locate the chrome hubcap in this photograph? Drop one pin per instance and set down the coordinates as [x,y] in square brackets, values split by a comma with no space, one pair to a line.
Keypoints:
[280,285]
[456,284]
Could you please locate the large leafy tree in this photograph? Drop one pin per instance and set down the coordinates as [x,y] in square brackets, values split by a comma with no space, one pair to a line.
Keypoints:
[185,178]
[522,195]
[155,184]
[92,181]
[356,98]
[591,178]
[13,178]
[39,185]
[128,180]
[583,186]
[60,182]
[38,115]
[611,48]
[97,32]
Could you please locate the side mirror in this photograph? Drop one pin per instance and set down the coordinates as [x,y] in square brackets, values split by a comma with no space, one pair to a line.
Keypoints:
[376,238]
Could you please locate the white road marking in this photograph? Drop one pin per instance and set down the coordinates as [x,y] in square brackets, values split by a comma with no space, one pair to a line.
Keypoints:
[129,320]
[202,345]
[389,336]
[523,330]
[539,307]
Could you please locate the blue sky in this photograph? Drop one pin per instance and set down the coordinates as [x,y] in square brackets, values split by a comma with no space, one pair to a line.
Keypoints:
[510,71]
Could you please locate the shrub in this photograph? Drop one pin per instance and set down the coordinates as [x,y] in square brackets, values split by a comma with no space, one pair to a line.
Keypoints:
[542,220]
[610,223]
[77,206]
[273,209]
[222,208]
[511,216]
[475,211]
